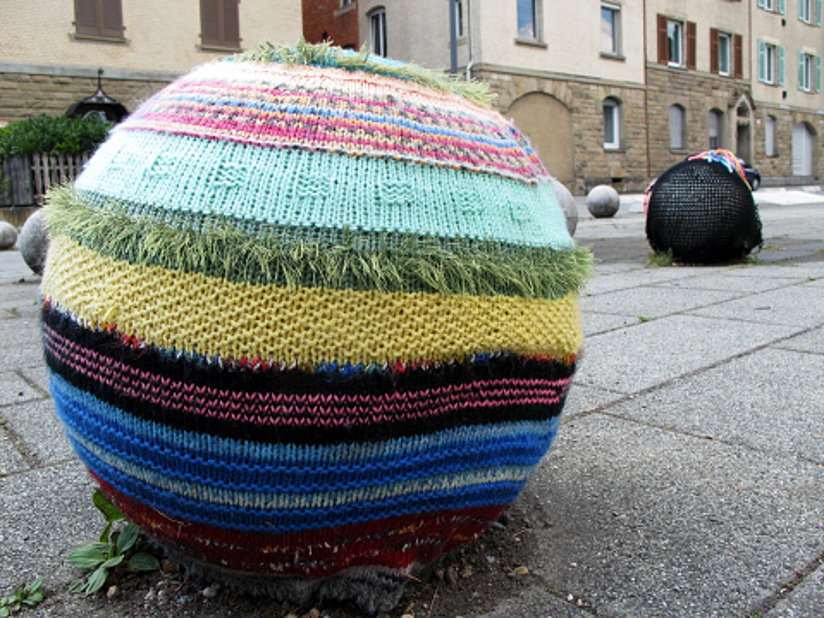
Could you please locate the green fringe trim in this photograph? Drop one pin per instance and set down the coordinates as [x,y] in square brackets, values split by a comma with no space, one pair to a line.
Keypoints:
[328,55]
[408,264]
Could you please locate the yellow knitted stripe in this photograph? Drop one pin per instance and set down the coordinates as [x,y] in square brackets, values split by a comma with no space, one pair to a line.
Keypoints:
[193,312]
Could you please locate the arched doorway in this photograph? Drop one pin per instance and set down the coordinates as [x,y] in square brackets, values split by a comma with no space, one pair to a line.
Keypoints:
[547,122]
[743,142]
[803,148]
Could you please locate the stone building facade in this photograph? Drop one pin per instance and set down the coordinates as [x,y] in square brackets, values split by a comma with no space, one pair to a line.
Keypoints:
[617,91]
[50,50]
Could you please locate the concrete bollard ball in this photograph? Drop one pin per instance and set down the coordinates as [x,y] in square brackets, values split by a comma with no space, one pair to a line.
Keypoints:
[603,201]
[8,235]
[567,204]
[34,242]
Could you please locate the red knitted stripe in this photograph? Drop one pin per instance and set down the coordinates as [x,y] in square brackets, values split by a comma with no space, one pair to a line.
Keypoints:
[394,542]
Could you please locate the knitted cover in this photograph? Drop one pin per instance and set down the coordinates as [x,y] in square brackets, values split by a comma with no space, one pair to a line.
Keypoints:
[308,310]
[703,211]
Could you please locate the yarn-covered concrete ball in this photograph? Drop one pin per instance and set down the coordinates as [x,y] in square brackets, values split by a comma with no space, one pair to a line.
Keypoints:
[8,235]
[34,242]
[310,318]
[567,204]
[603,201]
[702,210]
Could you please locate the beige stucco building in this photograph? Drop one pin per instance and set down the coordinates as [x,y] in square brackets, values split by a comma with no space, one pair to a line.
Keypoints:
[50,50]
[616,91]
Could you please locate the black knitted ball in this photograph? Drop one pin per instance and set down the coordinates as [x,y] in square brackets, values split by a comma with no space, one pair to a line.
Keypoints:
[702,213]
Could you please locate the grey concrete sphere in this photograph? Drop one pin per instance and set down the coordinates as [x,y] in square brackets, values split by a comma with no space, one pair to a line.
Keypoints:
[567,204]
[603,201]
[34,242]
[8,235]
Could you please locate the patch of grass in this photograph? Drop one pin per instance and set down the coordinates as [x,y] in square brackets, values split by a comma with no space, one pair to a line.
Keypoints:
[660,258]
[643,318]
[25,595]
[115,551]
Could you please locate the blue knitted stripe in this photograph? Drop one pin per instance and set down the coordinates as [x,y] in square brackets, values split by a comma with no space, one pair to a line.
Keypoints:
[286,521]
[319,190]
[242,466]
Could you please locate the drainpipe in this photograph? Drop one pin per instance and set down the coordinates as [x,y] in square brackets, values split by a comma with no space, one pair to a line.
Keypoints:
[646,89]
[453,43]
[469,39]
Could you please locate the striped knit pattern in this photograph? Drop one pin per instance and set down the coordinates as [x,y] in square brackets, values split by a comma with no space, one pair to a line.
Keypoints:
[302,316]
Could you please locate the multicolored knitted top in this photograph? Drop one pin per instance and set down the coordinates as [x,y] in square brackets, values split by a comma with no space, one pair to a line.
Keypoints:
[308,310]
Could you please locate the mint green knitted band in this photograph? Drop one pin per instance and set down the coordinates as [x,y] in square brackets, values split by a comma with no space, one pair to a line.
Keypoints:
[320,190]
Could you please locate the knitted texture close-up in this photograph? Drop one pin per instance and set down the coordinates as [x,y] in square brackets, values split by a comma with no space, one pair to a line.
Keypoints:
[310,318]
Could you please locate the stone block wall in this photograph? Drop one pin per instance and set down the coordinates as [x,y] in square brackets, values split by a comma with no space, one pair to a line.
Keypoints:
[25,95]
[624,168]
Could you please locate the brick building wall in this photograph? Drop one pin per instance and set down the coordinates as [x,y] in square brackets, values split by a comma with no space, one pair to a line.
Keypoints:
[328,20]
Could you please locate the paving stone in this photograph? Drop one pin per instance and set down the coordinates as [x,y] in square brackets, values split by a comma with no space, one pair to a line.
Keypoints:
[629,360]
[649,522]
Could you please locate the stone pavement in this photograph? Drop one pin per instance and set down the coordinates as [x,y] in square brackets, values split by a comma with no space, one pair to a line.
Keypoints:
[687,480]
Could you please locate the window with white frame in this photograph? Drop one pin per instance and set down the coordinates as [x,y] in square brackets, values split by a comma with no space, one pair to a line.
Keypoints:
[769,136]
[675,37]
[774,6]
[678,127]
[377,31]
[528,14]
[805,12]
[809,72]
[716,129]
[345,3]
[770,63]
[612,123]
[610,28]
[724,53]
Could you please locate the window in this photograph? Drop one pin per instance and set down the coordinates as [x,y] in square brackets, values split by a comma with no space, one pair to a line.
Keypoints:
[528,20]
[769,136]
[676,42]
[724,53]
[772,5]
[805,10]
[345,3]
[612,123]
[675,37]
[377,32]
[457,6]
[99,18]
[716,129]
[770,63]
[220,24]
[809,72]
[610,29]
[678,126]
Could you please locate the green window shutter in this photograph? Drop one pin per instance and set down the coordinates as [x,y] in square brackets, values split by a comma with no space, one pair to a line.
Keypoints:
[781,65]
[762,4]
[762,68]
[801,10]
[800,71]
[817,12]
[818,73]
[781,7]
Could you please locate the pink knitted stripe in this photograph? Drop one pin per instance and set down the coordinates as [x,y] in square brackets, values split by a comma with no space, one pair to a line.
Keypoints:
[275,408]
[439,149]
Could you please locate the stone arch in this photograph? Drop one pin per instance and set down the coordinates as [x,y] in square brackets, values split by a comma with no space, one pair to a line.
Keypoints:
[743,127]
[804,140]
[547,122]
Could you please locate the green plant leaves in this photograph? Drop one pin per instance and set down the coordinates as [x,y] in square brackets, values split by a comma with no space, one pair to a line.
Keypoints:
[29,595]
[109,510]
[88,556]
[142,561]
[127,538]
